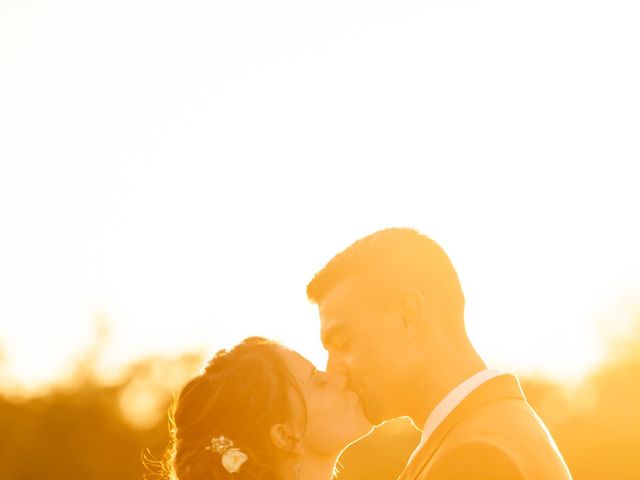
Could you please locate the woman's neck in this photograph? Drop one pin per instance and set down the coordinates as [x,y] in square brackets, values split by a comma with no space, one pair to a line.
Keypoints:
[310,467]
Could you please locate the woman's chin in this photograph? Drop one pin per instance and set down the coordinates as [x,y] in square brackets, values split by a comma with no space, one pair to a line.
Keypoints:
[364,425]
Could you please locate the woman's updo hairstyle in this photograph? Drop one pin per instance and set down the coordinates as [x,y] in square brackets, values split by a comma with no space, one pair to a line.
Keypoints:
[240,395]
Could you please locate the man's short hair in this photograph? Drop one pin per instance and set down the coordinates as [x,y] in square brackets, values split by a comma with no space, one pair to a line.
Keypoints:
[400,257]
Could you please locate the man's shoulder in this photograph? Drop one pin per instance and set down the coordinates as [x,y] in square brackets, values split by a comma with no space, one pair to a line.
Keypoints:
[507,413]
[493,434]
[509,426]
[501,441]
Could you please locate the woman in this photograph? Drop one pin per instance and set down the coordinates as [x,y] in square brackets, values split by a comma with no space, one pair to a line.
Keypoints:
[261,411]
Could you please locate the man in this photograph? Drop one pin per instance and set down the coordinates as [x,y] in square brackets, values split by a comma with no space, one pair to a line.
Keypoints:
[392,319]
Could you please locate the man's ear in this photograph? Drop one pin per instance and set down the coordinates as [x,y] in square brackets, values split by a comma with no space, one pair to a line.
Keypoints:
[411,308]
[284,439]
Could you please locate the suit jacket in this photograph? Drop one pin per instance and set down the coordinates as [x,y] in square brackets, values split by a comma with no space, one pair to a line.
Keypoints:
[493,434]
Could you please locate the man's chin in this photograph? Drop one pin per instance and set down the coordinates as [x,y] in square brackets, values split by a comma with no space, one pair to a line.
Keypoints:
[372,408]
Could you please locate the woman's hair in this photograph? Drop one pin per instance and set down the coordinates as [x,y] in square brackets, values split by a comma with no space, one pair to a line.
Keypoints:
[240,395]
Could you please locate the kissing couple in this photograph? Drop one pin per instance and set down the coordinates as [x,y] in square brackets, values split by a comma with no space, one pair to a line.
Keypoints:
[392,320]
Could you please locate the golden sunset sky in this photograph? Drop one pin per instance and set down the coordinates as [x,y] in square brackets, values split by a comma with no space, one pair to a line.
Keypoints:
[183,169]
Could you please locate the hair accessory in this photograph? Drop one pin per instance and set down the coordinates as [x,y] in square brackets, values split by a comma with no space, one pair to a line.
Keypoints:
[232,458]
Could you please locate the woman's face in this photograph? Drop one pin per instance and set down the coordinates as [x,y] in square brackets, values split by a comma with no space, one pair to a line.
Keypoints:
[334,414]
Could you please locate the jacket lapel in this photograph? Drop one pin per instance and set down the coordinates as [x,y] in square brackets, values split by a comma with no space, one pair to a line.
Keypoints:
[499,388]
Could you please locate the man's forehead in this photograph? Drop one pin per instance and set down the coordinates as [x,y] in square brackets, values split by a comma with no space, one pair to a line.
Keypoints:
[341,300]
[346,304]
[356,288]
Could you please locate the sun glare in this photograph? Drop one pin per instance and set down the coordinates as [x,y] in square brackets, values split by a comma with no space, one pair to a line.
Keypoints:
[189,177]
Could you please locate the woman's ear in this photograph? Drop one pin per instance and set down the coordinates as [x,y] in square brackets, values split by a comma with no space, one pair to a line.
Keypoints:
[283,438]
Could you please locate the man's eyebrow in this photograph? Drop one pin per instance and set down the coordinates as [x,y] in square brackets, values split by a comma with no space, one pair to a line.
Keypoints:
[328,334]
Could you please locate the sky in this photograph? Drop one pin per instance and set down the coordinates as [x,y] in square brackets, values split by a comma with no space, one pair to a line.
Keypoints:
[182,169]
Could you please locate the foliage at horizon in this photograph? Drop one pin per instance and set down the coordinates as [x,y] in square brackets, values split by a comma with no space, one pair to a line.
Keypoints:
[86,429]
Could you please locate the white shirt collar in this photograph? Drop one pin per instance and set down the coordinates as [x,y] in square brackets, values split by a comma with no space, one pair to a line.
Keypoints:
[450,402]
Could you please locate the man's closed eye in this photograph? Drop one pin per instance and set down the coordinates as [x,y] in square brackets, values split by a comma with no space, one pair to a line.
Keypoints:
[345,345]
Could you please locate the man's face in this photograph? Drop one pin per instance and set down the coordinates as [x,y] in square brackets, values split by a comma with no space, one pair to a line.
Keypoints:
[365,339]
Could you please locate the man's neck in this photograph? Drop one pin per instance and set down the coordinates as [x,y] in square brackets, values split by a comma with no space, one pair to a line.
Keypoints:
[437,385]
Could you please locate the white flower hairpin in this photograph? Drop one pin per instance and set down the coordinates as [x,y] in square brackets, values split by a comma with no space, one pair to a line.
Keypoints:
[232,458]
